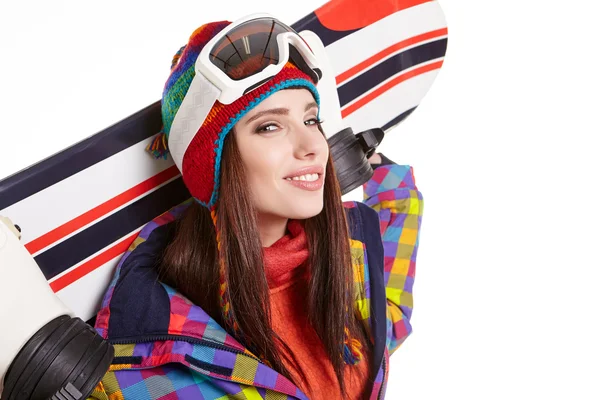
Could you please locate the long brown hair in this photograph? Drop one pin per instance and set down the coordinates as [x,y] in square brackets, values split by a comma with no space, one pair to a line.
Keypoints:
[190,264]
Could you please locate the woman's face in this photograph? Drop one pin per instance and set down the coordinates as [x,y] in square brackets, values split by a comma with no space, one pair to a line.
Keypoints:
[277,139]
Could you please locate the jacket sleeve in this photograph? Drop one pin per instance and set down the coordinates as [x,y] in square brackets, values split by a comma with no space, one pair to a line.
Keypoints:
[392,192]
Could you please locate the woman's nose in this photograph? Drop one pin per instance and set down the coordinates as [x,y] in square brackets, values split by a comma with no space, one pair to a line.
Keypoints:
[308,140]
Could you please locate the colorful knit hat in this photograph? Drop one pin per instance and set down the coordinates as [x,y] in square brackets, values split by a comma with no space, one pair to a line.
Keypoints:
[202,159]
[200,167]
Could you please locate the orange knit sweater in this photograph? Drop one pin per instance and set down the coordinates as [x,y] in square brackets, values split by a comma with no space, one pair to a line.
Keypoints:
[286,272]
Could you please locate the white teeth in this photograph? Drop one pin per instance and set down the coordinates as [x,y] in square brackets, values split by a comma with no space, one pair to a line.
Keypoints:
[307,177]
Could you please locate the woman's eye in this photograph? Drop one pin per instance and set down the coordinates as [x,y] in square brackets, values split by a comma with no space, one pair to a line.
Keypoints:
[313,121]
[266,128]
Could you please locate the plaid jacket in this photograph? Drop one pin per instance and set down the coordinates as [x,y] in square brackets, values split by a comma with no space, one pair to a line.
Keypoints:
[168,348]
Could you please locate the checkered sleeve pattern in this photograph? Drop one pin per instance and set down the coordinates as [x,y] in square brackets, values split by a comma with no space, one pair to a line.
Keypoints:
[392,192]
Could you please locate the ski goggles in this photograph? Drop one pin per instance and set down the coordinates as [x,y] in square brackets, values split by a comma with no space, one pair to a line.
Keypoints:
[240,58]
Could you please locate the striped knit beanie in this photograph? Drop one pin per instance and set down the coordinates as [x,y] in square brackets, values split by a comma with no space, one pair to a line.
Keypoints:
[202,160]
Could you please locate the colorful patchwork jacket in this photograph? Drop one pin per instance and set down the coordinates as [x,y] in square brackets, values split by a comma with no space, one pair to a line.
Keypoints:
[168,348]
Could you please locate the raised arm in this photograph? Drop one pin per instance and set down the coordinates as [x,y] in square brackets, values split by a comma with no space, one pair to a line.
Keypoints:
[392,192]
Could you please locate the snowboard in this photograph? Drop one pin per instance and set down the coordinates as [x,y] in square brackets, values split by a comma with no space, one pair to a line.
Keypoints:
[80,209]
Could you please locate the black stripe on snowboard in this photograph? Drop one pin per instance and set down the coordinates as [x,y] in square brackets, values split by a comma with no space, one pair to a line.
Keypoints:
[109,230]
[366,81]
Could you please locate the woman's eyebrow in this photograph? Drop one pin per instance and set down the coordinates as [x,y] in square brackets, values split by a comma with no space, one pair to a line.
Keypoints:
[278,111]
[311,105]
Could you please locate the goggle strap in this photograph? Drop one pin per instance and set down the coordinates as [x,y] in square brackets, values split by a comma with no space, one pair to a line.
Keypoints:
[257,84]
[197,103]
[299,61]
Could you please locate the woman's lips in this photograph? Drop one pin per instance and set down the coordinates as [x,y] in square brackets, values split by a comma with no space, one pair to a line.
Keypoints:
[308,185]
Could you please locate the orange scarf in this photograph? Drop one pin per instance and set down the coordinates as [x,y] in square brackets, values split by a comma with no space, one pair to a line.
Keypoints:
[287,275]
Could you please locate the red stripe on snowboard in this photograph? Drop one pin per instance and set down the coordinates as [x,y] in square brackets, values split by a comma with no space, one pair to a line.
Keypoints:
[98,212]
[338,15]
[384,88]
[90,265]
[344,76]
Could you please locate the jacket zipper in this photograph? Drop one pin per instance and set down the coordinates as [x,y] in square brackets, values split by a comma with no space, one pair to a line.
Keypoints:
[192,340]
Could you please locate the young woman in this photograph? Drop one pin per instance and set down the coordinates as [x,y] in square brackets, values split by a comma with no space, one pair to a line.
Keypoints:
[264,285]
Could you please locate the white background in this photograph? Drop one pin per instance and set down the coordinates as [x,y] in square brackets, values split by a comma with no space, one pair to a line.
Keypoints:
[504,149]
